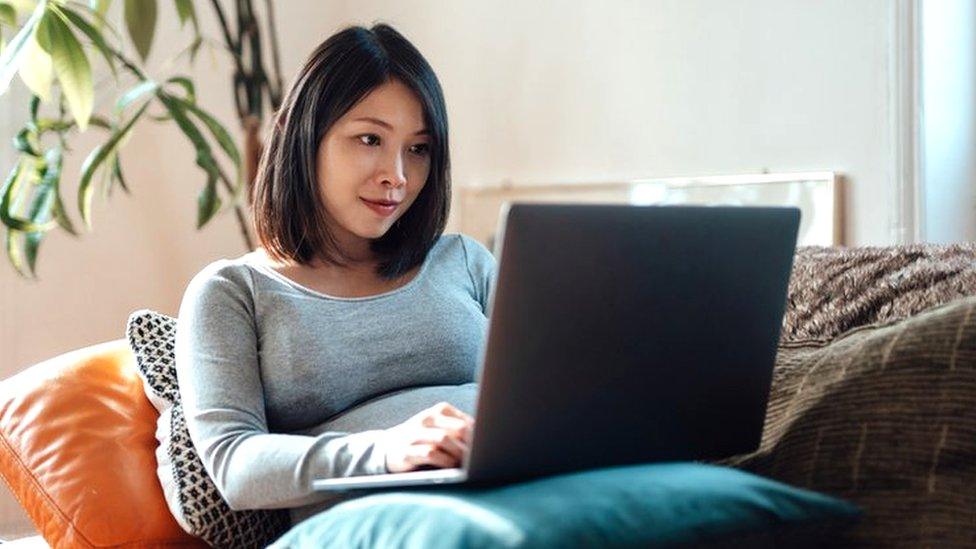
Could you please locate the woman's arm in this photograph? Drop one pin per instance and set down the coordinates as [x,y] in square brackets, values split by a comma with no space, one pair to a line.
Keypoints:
[482,268]
[223,399]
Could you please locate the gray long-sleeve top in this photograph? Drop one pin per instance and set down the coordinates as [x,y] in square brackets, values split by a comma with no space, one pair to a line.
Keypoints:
[282,384]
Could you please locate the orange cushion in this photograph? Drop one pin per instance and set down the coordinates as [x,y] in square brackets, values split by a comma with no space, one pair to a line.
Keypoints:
[77,442]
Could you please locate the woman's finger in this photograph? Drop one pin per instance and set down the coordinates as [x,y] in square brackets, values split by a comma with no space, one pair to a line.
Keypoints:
[443,440]
[432,416]
[428,454]
[447,409]
[456,426]
[468,420]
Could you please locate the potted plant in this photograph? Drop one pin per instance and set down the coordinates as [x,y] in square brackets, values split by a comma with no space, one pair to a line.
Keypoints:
[56,46]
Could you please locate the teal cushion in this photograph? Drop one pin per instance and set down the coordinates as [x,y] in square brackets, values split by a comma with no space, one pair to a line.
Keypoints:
[631,506]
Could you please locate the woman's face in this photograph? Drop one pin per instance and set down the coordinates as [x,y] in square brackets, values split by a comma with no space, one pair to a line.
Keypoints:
[373,162]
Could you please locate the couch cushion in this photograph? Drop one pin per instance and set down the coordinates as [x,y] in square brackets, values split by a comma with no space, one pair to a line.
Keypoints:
[833,290]
[190,492]
[76,449]
[632,506]
[884,416]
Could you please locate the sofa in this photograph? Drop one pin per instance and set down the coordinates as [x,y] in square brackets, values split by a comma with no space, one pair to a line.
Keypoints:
[873,401]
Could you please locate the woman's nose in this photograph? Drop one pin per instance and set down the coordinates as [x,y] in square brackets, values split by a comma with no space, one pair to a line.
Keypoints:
[394,175]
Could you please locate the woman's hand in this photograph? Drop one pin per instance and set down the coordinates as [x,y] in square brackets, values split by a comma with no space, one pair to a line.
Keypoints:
[438,436]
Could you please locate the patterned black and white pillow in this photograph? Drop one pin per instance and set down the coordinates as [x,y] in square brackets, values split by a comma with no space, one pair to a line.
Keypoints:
[190,493]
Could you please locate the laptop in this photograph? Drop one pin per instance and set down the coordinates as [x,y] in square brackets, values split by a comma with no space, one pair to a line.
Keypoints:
[621,335]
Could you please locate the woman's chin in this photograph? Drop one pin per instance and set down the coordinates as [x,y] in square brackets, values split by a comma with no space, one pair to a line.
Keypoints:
[374,232]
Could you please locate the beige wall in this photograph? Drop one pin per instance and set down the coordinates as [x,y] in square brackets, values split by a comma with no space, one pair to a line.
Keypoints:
[537,91]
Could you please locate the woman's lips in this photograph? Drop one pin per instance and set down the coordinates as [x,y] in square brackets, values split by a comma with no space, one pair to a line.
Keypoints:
[382,209]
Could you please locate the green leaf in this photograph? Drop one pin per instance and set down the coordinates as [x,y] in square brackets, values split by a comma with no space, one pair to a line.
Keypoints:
[8,15]
[140,20]
[35,102]
[71,65]
[32,241]
[186,11]
[220,133]
[106,179]
[51,171]
[208,203]
[195,48]
[61,215]
[99,11]
[205,157]
[85,188]
[42,125]
[13,252]
[43,204]
[23,6]
[14,53]
[52,177]
[46,202]
[135,93]
[26,142]
[11,181]
[184,8]
[36,69]
[187,85]
[92,33]
[10,191]
[52,124]
[100,121]
[100,6]
[117,172]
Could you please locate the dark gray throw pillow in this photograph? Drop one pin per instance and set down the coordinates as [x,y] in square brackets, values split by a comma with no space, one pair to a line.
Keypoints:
[190,493]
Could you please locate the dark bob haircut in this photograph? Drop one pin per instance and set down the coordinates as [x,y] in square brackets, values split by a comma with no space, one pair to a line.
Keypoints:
[288,213]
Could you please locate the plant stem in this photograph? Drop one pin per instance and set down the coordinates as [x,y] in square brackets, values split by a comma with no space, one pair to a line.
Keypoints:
[128,64]
[258,78]
[274,93]
[235,50]
[237,209]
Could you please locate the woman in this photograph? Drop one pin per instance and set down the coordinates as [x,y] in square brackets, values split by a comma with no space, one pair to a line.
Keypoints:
[348,343]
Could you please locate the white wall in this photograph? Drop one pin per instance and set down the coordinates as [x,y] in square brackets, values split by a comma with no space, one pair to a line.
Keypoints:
[949,120]
[665,88]
[537,91]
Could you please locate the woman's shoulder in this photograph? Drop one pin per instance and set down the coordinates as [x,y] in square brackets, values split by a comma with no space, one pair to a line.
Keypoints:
[458,245]
[229,273]
[467,257]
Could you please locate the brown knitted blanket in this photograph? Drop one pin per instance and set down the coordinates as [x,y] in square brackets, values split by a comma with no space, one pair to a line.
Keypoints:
[833,290]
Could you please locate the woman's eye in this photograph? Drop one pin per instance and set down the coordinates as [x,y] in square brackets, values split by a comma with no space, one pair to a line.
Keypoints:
[370,139]
[373,140]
